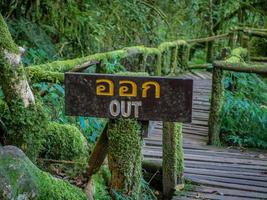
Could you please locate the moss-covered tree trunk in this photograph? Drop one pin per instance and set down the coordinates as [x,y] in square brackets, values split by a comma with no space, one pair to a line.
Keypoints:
[25,115]
[238,55]
[216,106]
[13,78]
[124,158]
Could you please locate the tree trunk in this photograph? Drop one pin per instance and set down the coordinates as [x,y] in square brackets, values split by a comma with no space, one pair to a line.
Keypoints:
[26,116]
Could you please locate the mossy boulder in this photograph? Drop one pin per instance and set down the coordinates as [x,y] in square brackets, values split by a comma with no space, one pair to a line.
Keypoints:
[20,179]
[65,142]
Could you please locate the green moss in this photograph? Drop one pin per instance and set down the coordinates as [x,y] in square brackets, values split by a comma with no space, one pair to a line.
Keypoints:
[26,127]
[3,108]
[142,50]
[67,65]
[179,150]
[158,65]
[23,179]
[65,142]
[173,60]
[101,181]
[238,55]
[132,73]
[38,75]
[183,56]
[6,40]
[173,156]
[167,45]
[125,157]
[216,107]
[52,188]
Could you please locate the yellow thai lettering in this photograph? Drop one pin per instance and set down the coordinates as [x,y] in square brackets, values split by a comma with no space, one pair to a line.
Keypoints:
[147,85]
[129,89]
[104,87]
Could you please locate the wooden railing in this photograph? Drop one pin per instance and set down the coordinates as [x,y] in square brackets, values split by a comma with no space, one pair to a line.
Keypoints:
[217,92]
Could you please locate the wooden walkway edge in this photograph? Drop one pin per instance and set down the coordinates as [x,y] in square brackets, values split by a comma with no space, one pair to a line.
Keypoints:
[219,173]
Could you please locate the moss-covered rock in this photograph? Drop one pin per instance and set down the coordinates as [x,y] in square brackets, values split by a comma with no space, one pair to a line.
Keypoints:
[20,179]
[65,142]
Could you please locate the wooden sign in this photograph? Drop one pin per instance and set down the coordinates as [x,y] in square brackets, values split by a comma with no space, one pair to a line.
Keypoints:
[114,96]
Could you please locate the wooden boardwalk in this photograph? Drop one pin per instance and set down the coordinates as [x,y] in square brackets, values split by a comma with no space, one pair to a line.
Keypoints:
[219,173]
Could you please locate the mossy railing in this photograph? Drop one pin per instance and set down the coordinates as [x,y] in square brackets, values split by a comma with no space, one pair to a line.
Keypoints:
[218,90]
[166,58]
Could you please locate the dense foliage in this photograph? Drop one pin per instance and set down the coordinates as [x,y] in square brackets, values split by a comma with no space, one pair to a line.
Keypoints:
[84,27]
[244,116]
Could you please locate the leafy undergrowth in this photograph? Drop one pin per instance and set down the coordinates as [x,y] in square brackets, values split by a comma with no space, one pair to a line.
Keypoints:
[244,114]
[189,186]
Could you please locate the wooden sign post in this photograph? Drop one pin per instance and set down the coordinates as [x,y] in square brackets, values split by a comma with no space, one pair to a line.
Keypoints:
[141,98]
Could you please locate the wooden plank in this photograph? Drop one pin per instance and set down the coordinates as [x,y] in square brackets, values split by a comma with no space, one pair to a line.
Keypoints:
[227,174]
[218,153]
[233,167]
[229,192]
[226,180]
[215,196]
[221,161]
[229,185]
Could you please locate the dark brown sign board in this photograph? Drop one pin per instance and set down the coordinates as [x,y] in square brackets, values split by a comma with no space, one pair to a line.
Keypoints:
[116,96]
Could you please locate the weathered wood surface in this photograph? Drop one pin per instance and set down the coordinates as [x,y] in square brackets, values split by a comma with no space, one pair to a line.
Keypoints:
[219,173]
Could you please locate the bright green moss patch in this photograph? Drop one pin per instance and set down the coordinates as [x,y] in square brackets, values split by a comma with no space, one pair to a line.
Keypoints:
[132,74]
[238,55]
[26,127]
[65,142]
[125,157]
[38,75]
[6,40]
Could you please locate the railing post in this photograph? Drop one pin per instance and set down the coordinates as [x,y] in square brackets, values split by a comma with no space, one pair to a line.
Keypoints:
[158,65]
[125,158]
[142,62]
[173,159]
[231,39]
[173,61]
[209,56]
[216,106]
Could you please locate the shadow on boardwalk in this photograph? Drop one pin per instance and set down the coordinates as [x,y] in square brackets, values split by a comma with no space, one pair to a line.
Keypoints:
[219,173]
